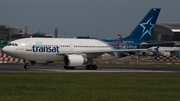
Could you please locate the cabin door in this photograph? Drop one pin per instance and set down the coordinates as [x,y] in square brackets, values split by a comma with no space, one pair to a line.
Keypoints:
[28,46]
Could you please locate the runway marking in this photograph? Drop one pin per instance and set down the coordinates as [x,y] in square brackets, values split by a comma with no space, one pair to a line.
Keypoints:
[101,70]
[19,68]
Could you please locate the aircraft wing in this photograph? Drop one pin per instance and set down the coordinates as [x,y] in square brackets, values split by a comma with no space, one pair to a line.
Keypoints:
[110,51]
[100,52]
[169,44]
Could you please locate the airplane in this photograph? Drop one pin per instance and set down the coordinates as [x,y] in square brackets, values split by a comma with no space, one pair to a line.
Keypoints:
[165,51]
[5,42]
[77,52]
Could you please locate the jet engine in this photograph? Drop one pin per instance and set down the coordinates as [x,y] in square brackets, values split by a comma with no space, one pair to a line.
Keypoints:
[40,62]
[74,60]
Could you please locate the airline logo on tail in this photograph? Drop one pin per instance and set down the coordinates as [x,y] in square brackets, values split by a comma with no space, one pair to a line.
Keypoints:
[144,29]
[147,28]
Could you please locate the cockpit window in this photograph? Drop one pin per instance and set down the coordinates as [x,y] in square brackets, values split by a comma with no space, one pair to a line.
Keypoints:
[12,44]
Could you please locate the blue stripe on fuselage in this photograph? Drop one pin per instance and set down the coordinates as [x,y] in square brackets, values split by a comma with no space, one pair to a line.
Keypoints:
[125,44]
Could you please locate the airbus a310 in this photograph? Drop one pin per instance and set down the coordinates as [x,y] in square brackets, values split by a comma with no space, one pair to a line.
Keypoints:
[78,52]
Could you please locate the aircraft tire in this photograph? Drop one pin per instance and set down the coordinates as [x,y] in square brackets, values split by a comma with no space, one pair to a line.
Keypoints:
[94,67]
[66,67]
[26,67]
[87,67]
[91,67]
[71,67]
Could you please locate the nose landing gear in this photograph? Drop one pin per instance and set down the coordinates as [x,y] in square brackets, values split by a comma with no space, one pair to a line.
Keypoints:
[26,64]
[26,67]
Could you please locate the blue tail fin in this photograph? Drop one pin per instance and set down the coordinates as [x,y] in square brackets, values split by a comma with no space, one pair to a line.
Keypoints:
[144,29]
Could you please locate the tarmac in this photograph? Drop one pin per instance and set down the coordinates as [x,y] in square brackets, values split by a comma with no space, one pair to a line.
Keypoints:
[16,68]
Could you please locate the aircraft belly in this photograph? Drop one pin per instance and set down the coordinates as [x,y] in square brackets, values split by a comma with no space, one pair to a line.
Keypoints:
[41,57]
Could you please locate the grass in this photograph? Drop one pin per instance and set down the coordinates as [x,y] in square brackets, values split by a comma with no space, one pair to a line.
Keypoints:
[89,87]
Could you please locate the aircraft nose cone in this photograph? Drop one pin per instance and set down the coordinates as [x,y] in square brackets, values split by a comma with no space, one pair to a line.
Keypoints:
[5,50]
[11,51]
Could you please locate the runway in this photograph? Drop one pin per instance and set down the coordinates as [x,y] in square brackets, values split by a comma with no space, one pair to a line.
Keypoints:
[13,68]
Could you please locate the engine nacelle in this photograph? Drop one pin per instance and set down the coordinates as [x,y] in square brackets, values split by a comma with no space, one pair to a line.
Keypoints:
[40,62]
[74,60]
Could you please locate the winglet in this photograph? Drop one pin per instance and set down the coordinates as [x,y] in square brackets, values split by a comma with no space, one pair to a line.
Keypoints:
[156,49]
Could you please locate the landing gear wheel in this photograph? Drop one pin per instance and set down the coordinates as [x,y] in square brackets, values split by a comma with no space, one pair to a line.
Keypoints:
[26,67]
[71,67]
[66,67]
[94,67]
[26,64]
[87,67]
[91,67]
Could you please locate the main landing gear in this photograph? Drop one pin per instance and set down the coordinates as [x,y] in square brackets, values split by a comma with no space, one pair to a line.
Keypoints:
[91,66]
[66,67]
[88,67]
[26,64]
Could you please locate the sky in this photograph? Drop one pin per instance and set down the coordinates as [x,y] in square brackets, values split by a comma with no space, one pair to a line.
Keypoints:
[94,18]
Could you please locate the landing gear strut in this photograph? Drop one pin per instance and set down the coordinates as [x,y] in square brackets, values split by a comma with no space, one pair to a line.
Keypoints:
[26,64]
[91,66]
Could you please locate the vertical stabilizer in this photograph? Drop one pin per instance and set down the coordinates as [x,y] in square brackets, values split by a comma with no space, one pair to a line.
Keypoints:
[144,29]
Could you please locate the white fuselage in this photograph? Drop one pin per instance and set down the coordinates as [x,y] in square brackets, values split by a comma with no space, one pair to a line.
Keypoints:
[47,49]
[164,50]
